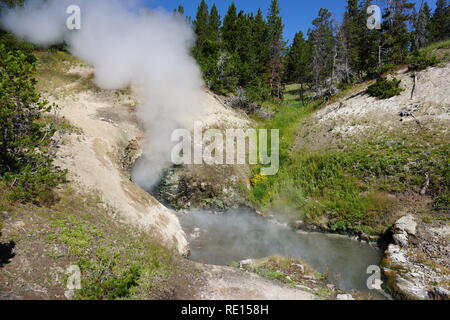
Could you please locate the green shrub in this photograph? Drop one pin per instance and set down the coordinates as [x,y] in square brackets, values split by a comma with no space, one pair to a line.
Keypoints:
[378,73]
[385,89]
[25,161]
[420,60]
[112,287]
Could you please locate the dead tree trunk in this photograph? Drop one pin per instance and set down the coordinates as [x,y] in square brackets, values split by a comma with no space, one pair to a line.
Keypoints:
[414,76]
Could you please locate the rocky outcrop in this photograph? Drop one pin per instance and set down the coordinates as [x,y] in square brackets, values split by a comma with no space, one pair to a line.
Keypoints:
[405,227]
[203,187]
[416,264]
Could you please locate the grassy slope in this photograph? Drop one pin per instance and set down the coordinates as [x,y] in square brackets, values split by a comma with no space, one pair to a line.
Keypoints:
[116,260]
[354,187]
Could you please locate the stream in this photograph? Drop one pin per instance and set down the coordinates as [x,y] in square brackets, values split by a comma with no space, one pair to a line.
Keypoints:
[239,234]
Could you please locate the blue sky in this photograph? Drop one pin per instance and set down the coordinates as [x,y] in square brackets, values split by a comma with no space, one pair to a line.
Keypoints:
[297,14]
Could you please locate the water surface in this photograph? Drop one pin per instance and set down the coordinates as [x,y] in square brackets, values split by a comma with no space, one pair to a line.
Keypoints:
[222,238]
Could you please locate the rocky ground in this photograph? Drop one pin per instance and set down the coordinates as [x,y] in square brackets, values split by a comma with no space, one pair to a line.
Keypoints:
[417,263]
[226,283]
[356,115]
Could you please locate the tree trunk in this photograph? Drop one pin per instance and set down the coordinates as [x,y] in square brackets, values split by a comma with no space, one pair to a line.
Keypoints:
[301,92]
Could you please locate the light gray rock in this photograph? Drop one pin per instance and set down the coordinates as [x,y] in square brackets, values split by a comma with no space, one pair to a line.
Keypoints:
[244,263]
[441,293]
[401,239]
[414,288]
[331,286]
[344,297]
[396,254]
[404,227]
[407,224]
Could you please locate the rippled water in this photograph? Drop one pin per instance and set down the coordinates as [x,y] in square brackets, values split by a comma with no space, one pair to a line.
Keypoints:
[236,235]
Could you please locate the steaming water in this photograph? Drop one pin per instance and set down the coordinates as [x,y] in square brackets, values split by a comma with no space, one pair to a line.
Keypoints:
[220,239]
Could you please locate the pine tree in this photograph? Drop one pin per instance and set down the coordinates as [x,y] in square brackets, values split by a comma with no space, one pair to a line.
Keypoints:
[350,37]
[261,43]
[245,49]
[276,47]
[440,23]
[397,37]
[323,48]
[207,46]
[201,19]
[422,26]
[201,29]
[370,43]
[298,63]
[214,22]
[230,29]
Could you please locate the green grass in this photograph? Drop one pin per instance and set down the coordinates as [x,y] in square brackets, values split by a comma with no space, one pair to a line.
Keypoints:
[117,261]
[349,189]
[439,49]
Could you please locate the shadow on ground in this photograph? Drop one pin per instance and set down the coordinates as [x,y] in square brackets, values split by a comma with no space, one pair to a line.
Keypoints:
[6,252]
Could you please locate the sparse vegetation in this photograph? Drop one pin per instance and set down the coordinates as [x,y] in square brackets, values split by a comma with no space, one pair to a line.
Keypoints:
[420,60]
[293,272]
[116,261]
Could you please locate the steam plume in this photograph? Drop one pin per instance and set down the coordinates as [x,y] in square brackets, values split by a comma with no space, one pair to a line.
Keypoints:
[147,50]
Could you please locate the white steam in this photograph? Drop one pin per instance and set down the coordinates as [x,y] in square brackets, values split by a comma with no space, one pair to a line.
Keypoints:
[147,50]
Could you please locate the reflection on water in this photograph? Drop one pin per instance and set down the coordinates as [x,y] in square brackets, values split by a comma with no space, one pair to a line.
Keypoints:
[220,239]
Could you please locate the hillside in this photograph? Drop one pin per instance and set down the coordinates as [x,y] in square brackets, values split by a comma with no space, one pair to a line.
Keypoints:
[118,234]
[358,164]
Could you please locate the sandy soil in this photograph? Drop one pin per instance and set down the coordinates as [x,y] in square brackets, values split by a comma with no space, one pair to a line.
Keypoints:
[357,114]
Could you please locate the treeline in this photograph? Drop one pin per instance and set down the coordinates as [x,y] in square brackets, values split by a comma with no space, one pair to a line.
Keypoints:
[242,51]
[246,51]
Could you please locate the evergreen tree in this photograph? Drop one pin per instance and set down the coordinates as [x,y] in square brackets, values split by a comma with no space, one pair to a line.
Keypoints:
[276,47]
[350,36]
[230,30]
[261,43]
[214,22]
[244,49]
[370,43]
[207,46]
[298,63]
[440,23]
[397,36]
[25,161]
[201,29]
[422,26]
[323,47]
